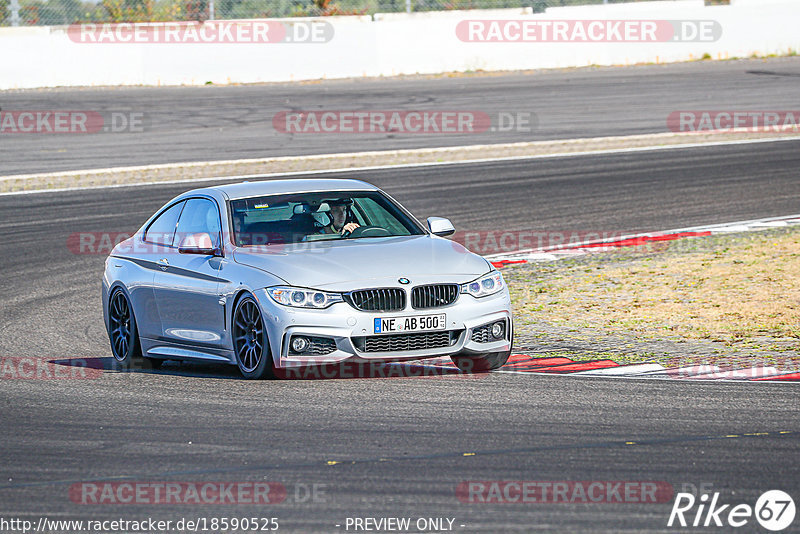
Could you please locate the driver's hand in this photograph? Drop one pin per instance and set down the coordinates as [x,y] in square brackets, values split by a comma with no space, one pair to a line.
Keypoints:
[349,227]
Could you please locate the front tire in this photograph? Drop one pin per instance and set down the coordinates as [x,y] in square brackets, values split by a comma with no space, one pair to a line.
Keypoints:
[482,363]
[250,342]
[122,331]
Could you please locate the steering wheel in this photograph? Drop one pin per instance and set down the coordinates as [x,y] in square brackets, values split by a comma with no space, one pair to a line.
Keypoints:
[368,231]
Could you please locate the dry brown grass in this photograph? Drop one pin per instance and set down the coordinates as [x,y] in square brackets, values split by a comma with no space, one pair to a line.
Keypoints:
[736,289]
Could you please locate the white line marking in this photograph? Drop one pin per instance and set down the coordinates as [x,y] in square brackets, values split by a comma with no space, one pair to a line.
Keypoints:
[748,373]
[668,378]
[685,372]
[646,371]
[623,370]
[655,139]
[397,166]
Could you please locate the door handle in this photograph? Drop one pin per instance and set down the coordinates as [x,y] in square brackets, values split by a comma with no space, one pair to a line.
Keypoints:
[163,263]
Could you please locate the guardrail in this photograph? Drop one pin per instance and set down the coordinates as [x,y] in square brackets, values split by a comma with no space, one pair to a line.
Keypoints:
[389,44]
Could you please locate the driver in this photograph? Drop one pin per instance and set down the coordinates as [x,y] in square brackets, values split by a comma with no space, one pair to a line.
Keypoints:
[340,216]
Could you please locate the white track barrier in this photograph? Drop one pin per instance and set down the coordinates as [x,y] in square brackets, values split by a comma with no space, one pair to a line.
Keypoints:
[388,45]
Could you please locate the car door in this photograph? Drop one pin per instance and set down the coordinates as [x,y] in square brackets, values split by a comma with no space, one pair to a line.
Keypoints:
[142,268]
[186,286]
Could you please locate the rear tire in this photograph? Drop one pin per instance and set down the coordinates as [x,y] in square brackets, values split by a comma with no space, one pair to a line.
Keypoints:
[122,331]
[250,341]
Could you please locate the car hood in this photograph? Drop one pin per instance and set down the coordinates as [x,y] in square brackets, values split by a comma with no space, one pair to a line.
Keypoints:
[349,264]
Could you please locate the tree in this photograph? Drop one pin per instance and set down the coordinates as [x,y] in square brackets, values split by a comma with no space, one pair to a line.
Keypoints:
[129,10]
[196,10]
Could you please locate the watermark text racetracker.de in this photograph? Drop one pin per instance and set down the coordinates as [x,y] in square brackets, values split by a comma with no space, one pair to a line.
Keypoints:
[483,242]
[739,121]
[43,368]
[71,122]
[511,242]
[587,31]
[563,492]
[489,242]
[210,31]
[436,121]
[326,369]
[103,243]
[194,492]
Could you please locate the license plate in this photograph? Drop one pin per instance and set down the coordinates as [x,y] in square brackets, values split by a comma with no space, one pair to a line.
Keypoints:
[414,323]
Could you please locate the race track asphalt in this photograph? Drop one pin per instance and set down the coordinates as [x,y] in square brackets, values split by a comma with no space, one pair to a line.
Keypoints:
[208,123]
[391,447]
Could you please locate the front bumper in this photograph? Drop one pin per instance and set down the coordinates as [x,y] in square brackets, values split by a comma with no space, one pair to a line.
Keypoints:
[348,327]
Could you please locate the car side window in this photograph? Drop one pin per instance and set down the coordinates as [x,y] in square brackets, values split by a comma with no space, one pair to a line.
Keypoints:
[200,216]
[162,230]
[376,215]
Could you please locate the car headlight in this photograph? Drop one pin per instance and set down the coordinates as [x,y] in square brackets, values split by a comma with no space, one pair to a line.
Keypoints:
[485,285]
[299,297]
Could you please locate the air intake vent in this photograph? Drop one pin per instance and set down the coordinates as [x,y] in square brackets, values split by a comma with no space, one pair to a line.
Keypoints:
[407,342]
[380,300]
[434,296]
[482,334]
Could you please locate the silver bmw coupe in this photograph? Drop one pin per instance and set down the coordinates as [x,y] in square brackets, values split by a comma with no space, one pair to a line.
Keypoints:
[289,273]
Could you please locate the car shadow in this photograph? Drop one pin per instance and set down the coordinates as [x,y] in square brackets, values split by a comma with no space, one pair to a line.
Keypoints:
[94,367]
[168,367]
[373,370]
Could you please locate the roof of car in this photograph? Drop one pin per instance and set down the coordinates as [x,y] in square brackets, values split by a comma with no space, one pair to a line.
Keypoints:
[274,187]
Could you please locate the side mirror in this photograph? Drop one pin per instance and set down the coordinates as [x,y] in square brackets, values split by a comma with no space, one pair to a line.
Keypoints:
[198,244]
[440,226]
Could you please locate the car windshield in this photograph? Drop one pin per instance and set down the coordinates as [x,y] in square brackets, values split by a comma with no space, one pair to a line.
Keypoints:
[301,217]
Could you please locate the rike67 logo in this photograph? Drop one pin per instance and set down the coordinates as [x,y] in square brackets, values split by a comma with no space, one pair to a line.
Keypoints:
[774,510]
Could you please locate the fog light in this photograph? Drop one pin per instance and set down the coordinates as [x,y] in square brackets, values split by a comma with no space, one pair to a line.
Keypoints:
[498,329]
[299,344]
